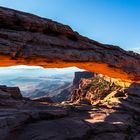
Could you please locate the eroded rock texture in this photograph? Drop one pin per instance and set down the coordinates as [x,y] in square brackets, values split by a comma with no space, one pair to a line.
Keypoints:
[96,90]
[109,111]
[117,117]
[31,40]
[13,92]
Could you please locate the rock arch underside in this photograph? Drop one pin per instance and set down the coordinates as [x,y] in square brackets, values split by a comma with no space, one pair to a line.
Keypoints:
[31,40]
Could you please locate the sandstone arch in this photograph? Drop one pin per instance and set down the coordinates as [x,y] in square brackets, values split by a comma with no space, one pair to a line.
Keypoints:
[32,40]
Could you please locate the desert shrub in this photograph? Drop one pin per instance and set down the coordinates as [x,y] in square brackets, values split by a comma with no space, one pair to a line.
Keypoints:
[100,88]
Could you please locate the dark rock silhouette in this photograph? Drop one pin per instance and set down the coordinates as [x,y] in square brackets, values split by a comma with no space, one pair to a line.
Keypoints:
[13,92]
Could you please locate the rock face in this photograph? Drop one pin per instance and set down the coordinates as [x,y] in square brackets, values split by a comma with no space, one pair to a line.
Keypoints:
[31,40]
[116,117]
[65,93]
[100,109]
[13,92]
[94,90]
[79,75]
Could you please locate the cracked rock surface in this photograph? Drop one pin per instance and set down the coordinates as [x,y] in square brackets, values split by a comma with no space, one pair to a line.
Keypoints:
[32,40]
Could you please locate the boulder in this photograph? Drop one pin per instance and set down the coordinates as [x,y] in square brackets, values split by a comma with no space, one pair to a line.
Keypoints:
[14,92]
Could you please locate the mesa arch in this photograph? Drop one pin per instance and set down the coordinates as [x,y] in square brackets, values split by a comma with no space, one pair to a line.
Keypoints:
[31,40]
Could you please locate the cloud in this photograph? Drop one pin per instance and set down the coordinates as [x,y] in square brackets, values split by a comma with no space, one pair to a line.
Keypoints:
[136,49]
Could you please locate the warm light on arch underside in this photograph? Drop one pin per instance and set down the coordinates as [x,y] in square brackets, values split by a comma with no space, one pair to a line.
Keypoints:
[101,68]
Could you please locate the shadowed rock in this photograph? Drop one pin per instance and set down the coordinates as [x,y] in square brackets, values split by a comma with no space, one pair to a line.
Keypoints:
[13,92]
[116,117]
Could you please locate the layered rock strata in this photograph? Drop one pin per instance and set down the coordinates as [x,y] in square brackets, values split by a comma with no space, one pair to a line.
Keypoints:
[32,40]
[116,118]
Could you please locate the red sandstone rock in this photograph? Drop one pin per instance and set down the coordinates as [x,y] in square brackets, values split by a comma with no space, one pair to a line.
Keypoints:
[28,39]
[26,119]
[31,40]
[97,89]
[79,75]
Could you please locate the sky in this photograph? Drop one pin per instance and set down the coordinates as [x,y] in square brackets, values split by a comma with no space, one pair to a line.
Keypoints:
[31,78]
[114,22]
[9,73]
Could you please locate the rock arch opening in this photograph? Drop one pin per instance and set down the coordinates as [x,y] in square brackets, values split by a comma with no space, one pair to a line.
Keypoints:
[35,82]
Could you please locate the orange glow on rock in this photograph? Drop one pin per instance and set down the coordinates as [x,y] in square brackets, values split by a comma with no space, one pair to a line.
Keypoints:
[100,68]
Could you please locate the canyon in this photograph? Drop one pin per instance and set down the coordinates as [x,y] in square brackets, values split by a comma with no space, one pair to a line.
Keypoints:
[98,109]
[103,105]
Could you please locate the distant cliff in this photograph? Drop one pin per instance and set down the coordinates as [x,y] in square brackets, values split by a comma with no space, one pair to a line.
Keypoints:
[63,92]
[79,75]
[93,90]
